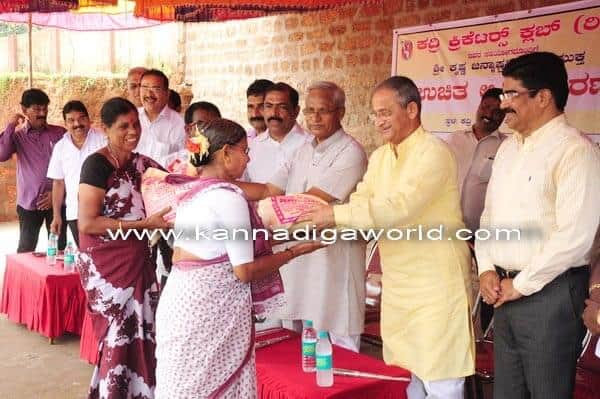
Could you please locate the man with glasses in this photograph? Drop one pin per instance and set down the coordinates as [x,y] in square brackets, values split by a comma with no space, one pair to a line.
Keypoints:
[475,150]
[278,144]
[546,183]
[410,183]
[29,135]
[134,76]
[163,134]
[327,286]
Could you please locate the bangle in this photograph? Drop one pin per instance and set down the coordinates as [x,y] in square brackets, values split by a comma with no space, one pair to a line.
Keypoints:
[120,225]
[593,287]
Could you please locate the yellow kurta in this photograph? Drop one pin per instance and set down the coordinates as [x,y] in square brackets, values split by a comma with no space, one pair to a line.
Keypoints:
[425,303]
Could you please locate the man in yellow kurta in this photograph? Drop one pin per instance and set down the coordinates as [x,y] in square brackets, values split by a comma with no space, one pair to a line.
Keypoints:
[411,181]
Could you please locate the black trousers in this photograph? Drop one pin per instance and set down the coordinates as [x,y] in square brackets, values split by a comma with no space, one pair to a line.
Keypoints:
[74,230]
[30,223]
[537,340]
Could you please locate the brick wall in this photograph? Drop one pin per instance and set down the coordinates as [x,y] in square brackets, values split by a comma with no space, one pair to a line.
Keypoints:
[351,46]
[60,90]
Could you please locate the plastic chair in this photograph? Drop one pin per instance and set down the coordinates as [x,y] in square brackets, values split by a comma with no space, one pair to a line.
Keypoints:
[372,332]
[587,375]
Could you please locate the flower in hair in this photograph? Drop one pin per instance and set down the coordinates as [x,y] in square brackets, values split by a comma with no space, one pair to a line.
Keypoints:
[197,144]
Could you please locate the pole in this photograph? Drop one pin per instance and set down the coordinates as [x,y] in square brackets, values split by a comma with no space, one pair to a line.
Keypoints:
[30,53]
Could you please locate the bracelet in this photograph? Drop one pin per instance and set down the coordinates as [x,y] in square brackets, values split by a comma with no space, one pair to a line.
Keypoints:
[593,287]
[120,225]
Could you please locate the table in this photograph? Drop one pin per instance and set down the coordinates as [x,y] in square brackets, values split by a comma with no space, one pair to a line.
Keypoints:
[280,376]
[47,299]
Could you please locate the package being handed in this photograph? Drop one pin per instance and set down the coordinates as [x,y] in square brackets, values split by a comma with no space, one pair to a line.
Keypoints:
[158,194]
[282,211]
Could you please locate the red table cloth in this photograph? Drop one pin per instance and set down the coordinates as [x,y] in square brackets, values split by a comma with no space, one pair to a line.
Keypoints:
[88,345]
[280,376]
[47,299]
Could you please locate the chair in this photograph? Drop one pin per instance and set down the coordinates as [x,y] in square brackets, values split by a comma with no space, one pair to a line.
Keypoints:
[372,332]
[587,375]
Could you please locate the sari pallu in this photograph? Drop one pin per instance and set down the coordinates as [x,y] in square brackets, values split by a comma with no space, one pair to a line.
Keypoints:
[205,331]
[122,291]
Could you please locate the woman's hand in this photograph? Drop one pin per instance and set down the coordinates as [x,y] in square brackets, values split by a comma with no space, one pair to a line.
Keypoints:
[305,248]
[157,221]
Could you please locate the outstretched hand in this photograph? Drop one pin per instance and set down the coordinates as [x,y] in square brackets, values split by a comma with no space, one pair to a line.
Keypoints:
[320,215]
[157,220]
[306,247]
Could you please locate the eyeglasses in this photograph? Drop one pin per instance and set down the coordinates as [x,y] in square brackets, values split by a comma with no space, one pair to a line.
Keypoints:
[510,94]
[309,112]
[375,116]
[246,150]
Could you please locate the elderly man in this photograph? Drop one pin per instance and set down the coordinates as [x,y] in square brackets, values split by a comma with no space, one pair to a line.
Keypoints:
[328,285]
[546,183]
[134,76]
[64,169]
[278,144]
[411,182]
[31,137]
[475,150]
[255,97]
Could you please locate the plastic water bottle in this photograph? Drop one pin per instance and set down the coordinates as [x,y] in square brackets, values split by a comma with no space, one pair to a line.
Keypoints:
[309,347]
[69,261]
[324,361]
[52,249]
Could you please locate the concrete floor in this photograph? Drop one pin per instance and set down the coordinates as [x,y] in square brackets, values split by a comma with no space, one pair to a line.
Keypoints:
[31,368]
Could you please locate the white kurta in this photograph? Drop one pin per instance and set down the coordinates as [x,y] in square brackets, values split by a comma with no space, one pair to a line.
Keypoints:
[328,285]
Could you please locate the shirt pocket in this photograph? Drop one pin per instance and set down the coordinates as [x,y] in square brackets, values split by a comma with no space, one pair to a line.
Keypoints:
[484,171]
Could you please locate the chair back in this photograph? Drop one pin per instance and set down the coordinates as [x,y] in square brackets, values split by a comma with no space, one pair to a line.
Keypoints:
[588,359]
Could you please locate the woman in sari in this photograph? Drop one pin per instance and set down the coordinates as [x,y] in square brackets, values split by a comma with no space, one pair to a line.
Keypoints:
[204,325]
[116,272]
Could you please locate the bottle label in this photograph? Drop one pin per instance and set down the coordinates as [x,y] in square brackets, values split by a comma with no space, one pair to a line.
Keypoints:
[51,252]
[324,362]
[69,259]
[308,348]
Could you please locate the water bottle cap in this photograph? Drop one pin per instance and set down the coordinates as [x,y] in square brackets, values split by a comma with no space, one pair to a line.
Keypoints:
[323,334]
[308,323]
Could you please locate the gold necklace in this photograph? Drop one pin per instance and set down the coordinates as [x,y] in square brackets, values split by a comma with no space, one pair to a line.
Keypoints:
[113,156]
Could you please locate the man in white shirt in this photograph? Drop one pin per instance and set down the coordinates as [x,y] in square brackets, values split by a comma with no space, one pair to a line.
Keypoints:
[546,183]
[134,76]
[163,134]
[163,130]
[278,144]
[65,164]
[327,286]
[255,98]
[475,150]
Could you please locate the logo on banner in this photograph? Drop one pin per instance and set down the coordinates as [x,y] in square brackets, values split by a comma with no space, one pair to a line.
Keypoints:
[406,48]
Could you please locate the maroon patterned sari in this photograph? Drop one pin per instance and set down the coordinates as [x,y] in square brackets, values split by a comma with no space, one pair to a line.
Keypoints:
[122,293]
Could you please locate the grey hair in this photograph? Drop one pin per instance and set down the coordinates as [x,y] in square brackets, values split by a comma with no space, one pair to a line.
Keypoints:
[339,97]
[405,89]
[138,69]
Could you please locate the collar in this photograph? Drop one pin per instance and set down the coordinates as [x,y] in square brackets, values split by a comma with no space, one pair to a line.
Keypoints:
[408,143]
[329,141]
[163,114]
[296,130]
[536,136]
[496,134]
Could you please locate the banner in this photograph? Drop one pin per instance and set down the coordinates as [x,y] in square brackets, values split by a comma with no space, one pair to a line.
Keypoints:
[454,63]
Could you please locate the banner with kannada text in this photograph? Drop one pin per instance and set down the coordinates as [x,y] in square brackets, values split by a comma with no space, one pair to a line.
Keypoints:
[454,63]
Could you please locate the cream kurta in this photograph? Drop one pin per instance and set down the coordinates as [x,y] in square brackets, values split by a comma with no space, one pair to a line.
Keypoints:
[425,307]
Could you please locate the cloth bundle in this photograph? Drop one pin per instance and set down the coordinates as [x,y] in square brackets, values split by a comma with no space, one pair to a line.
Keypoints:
[280,212]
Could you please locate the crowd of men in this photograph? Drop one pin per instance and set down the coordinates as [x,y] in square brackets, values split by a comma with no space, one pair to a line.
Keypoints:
[543,179]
